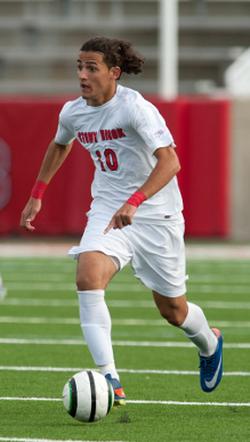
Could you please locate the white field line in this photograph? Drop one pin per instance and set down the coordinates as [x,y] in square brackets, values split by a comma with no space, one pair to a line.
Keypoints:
[31,302]
[27,439]
[208,404]
[117,343]
[121,370]
[31,320]
[138,402]
[117,287]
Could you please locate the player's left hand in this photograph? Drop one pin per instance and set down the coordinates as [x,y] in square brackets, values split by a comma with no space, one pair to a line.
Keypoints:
[123,217]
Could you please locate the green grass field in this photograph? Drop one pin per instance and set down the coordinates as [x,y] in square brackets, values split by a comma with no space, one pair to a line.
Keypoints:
[41,347]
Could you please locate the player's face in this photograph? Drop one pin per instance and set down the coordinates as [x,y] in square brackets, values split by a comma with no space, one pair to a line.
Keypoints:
[97,80]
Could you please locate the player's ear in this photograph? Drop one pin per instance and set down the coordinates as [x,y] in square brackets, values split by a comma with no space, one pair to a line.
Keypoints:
[116,72]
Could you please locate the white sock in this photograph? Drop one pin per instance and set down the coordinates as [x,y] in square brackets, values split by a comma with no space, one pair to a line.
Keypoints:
[109,368]
[198,331]
[96,327]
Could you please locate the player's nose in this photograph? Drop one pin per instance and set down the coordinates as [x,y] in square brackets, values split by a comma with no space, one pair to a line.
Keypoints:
[83,74]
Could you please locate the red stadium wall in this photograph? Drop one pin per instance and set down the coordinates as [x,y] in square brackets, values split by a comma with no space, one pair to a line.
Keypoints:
[201,131]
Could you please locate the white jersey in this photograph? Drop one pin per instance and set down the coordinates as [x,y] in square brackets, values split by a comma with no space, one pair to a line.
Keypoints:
[121,137]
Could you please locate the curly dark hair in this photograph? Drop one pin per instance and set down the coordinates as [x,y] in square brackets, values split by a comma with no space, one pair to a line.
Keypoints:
[116,53]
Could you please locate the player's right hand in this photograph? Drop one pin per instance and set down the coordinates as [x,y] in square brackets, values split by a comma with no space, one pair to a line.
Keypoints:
[29,213]
[122,218]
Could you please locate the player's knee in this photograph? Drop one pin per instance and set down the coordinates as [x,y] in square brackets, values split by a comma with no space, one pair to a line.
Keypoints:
[87,282]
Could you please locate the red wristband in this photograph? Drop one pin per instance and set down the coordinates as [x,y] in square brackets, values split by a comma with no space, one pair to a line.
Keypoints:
[137,198]
[38,189]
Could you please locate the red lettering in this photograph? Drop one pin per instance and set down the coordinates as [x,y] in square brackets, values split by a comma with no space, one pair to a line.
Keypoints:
[87,137]
[85,140]
[81,136]
[113,134]
[121,133]
[108,135]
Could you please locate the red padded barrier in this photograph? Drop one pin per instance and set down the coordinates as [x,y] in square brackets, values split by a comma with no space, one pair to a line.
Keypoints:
[27,128]
[201,131]
[207,194]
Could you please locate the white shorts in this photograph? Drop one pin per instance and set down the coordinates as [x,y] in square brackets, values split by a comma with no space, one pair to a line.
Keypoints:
[156,252]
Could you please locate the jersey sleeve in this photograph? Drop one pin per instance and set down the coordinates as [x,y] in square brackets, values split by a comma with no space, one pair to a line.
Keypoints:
[65,132]
[150,125]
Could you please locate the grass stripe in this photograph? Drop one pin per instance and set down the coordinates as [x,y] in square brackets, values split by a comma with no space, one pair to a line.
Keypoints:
[66,275]
[167,344]
[121,370]
[66,262]
[31,320]
[131,288]
[30,302]
[137,402]
[121,278]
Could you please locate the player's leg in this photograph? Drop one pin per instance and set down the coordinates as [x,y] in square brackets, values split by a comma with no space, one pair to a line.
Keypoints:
[191,319]
[159,262]
[94,271]
[99,257]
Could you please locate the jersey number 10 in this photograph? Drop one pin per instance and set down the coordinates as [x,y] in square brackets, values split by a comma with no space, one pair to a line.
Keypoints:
[107,159]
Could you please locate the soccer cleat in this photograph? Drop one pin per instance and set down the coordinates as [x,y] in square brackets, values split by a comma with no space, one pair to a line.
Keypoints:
[120,397]
[211,367]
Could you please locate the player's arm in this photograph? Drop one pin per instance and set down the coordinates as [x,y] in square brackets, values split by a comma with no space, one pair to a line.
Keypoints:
[53,159]
[166,168]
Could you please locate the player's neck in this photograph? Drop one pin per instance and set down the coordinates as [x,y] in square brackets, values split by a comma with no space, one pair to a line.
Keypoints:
[102,98]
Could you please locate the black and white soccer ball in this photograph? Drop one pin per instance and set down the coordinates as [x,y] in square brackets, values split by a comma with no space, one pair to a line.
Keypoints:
[88,396]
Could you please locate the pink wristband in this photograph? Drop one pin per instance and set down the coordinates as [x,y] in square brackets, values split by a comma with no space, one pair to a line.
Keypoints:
[38,189]
[137,198]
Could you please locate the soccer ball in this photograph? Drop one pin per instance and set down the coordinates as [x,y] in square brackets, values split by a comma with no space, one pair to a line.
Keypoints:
[88,396]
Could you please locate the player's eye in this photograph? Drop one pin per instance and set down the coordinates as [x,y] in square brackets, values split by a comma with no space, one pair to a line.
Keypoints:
[92,68]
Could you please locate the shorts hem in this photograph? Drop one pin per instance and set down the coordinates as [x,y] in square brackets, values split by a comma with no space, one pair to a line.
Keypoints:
[174,293]
[74,253]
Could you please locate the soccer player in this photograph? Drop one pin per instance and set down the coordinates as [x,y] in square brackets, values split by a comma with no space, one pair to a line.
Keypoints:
[136,212]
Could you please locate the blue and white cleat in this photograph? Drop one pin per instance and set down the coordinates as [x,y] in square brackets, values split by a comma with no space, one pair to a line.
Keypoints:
[211,367]
[120,397]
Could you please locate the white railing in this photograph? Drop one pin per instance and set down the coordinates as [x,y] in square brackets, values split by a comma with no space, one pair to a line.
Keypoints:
[237,75]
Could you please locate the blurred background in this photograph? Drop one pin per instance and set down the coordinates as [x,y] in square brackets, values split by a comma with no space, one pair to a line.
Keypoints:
[197,72]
